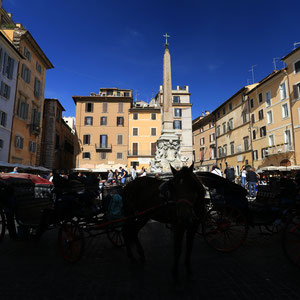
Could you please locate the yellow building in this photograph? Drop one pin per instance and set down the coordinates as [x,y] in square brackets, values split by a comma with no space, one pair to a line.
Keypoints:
[232,122]
[204,141]
[144,130]
[292,72]
[29,101]
[260,124]
[271,126]
[102,123]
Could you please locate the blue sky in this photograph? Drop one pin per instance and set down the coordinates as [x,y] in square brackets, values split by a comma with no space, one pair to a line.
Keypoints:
[213,44]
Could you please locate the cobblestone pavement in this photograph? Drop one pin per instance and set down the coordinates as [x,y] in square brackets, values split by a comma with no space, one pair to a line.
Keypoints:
[35,270]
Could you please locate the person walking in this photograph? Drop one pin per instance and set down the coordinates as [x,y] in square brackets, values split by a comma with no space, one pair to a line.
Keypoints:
[116,176]
[110,176]
[124,174]
[133,173]
[229,173]
[215,170]
[244,176]
[252,182]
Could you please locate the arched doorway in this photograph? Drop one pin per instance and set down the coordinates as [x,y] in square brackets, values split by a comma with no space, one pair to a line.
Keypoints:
[285,163]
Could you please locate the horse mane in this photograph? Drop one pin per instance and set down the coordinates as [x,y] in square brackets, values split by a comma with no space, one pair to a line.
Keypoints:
[194,180]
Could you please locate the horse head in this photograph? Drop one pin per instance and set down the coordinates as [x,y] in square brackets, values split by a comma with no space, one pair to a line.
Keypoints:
[187,193]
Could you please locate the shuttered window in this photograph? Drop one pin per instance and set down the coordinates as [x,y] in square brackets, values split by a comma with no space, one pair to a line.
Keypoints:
[120,139]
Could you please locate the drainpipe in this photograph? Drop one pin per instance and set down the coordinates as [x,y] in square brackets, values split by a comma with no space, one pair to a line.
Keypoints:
[291,111]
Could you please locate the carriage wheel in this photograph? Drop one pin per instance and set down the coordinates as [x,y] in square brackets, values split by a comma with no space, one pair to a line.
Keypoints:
[291,240]
[116,237]
[2,225]
[225,228]
[70,241]
[274,228]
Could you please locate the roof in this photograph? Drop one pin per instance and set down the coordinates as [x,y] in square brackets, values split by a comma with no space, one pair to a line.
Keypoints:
[102,98]
[21,33]
[115,88]
[291,53]
[204,119]
[11,46]
[55,99]
[264,80]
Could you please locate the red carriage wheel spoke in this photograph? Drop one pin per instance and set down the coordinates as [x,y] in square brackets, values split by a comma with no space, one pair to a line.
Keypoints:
[227,229]
[116,238]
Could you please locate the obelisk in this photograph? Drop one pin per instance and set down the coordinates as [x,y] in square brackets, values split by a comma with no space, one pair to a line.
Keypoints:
[167,123]
[168,144]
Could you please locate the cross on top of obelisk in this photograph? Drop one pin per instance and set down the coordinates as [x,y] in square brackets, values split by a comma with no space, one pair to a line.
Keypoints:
[166,36]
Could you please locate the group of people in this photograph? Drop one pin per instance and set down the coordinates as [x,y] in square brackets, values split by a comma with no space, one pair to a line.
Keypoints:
[121,176]
[248,177]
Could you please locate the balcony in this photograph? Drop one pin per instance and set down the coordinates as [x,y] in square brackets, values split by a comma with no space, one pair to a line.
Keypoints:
[35,129]
[278,149]
[140,153]
[103,148]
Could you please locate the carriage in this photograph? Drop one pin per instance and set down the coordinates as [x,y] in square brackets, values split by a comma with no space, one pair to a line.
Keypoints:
[231,213]
[31,205]
[25,201]
[36,205]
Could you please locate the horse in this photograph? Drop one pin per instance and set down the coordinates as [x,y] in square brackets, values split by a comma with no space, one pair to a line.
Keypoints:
[178,201]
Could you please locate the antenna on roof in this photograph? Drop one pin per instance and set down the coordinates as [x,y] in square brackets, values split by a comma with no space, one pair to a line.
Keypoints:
[252,70]
[295,44]
[136,95]
[274,62]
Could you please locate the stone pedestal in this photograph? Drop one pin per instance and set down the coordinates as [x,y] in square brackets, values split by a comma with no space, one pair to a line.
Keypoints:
[167,152]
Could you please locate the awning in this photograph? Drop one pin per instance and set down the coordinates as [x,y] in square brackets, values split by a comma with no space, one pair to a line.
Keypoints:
[99,170]
[81,170]
[23,167]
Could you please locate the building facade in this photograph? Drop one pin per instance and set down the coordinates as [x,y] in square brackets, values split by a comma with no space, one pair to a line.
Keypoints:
[292,72]
[204,141]
[102,127]
[9,62]
[182,119]
[29,101]
[260,124]
[144,130]
[59,143]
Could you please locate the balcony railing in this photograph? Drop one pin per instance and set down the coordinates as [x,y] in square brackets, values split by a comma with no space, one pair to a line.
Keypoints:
[103,148]
[282,148]
[141,153]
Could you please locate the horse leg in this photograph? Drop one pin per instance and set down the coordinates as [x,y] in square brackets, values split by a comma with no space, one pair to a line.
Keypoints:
[178,237]
[140,223]
[130,234]
[128,238]
[190,235]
